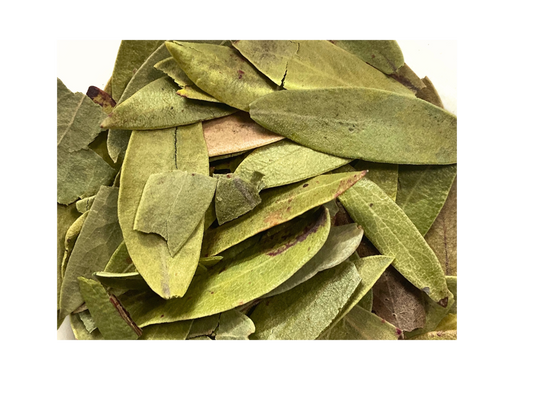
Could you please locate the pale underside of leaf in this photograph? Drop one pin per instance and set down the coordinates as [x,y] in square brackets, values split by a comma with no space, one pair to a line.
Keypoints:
[234,325]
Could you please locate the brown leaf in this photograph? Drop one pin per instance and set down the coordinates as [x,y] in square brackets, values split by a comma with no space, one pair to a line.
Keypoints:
[407,77]
[367,249]
[101,98]
[397,301]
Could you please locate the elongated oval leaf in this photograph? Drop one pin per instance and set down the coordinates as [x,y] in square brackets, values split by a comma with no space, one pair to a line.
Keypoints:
[250,275]
[98,239]
[287,162]
[66,215]
[222,72]
[120,262]
[150,153]
[393,233]
[157,106]
[370,124]
[311,64]
[304,312]
[384,55]
[277,206]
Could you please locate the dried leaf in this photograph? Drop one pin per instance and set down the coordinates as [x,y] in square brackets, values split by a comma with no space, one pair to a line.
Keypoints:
[70,240]
[407,77]
[122,280]
[304,312]
[235,133]
[277,206]
[384,55]
[287,162]
[341,244]
[210,261]
[451,282]
[438,335]
[310,64]
[110,318]
[173,204]
[250,275]
[383,175]
[131,55]
[434,315]
[393,233]
[429,93]
[174,331]
[234,325]
[101,98]
[360,324]
[66,215]
[120,261]
[151,153]
[80,332]
[367,301]
[157,106]
[98,239]
[88,321]
[85,204]
[222,72]
[204,326]
[369,124]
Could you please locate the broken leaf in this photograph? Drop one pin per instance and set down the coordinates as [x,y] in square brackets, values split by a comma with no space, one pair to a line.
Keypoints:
[98,239]
[304,312]
[112,320]
[370,124]
[101,98]
[222,72]
[384,55]
[85,204]
[157,106]
[235,133]
[287,162]
[393,233]
[341,244]
[70,240]
[277,206]
[80,332]
[204,326]
[250,275]
[151,153]
[236,196]
[311,64]
[66,215]
[234,325]
[173,204]
[88,321]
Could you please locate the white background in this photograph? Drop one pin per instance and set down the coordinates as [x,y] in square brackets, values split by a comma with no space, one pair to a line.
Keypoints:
[82,62]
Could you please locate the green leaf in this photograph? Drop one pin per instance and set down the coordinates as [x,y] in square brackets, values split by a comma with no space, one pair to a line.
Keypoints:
[85,204]
[222,72]
[304,312]
[173,204]
[235,133]
[98,239]
[70,240]
[210,261]
[174,331]
[311,64]
[157,106]
[204,326]
[151,153]
[422,191]
[122,280]
[66,215]
[437,335]
[429,93]
[451,282]
[250,275]
[287,162]
[108,315]
[384,175]
[236,196]
[407,77]
[120,261]
[369,124]
[88,321]
[234,325]
[130,57]
[393,233]
[384,55]
[277,206]
[367,301]
[80,332]
[341,244]
[360,324]
[434,315]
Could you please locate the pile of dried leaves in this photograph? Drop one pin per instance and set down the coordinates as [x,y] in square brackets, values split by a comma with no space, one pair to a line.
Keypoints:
[257,189]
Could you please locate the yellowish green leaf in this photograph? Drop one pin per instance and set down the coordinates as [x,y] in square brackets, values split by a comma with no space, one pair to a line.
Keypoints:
[173,331]
[383,175]
[384,55]
[234,325]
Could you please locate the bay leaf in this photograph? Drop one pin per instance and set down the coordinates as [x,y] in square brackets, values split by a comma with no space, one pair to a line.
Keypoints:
[157,106]
[97,241]
[311,64]
[188,89]
[398,301]
[235,133]
[384,55]
[173,204]
[278,205]
[422,191]
[236,196]
[122,280]
[88,321]
[407,77]
[287,162]
[66,215]
[173,331]
[99,146]
[117,140]
[369,124]
[341,244]
[250,275]
[70,240]
[120,261]
[305,311]
[108,86]
[448,323]
[101,98]
[80,333]
[367,301]
[434,315]
[438,335]
[204,326]
[222,72]
[200,338]
[451,282]
[210,261]
[85,204]
[108,315]
[393,233]
[150,153]
[130,57]
[359,324]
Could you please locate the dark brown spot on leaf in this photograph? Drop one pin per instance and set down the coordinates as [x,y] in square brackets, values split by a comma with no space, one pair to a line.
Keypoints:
[305,185]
